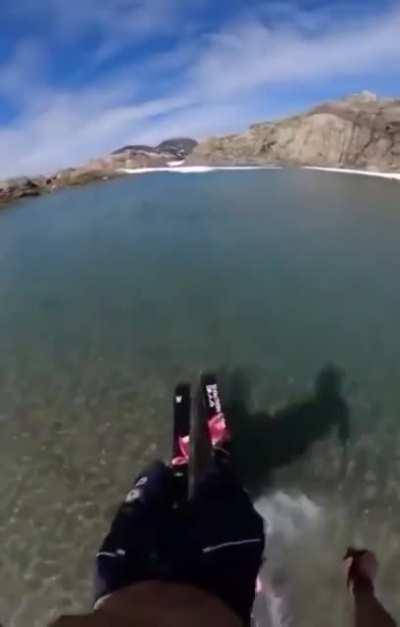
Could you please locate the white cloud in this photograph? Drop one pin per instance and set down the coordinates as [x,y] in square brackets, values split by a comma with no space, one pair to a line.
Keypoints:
[198,120]
[204,85]
[140,17]
[251,54]
[74,127]
[22,70]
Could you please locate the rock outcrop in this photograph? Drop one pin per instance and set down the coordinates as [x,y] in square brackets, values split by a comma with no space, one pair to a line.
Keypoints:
[21,187]
[177,148]
[102,169]
[359,132]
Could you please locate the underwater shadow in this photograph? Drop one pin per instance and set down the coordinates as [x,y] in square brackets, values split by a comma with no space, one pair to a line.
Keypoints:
[264,441]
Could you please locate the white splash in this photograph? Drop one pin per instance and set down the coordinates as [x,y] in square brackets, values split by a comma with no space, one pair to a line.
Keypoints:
[269,608]
[288,517]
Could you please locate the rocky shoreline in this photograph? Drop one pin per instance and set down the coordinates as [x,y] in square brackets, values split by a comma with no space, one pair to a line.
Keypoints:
[26,187]
[103,169]
[361,132]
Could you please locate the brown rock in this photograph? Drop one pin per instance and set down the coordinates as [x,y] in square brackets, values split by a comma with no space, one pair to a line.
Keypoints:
[21,187]
[81,176]
[359,132]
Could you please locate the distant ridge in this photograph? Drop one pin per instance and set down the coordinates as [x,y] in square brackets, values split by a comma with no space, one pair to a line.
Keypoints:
[179,147]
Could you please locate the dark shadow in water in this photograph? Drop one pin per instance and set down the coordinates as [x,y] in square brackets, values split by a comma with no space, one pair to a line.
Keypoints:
[263,441]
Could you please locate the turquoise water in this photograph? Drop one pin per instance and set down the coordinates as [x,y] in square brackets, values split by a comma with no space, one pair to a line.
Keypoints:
[112,293]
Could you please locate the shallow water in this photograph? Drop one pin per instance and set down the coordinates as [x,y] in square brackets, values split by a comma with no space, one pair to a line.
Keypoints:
[112,293]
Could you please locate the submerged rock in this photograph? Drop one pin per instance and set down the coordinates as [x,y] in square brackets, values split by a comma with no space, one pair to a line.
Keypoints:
[371,492]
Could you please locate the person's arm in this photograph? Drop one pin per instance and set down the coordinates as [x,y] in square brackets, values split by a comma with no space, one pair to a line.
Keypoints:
[95,619]
[156,604]
[362,570]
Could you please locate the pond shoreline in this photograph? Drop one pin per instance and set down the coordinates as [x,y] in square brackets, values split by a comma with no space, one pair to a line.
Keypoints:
[25,187]
[392,176]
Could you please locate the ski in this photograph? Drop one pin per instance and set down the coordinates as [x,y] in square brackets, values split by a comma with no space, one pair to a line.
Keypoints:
[198,437]
[181,431]
[180,441]
[200,444]
[216,418]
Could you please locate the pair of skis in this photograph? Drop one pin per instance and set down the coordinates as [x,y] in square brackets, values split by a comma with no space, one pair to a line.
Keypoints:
[198,436]
[195,440]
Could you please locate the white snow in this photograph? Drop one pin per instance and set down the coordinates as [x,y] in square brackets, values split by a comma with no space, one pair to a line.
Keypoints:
[177,167]
[394,176]
[193,169]
[174,164]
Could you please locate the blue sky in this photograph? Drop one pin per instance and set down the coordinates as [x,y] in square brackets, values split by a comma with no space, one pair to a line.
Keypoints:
[78,79]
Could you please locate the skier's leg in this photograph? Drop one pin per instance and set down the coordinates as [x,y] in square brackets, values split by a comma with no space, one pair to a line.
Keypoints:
[227,531]
[229,534]
[129,552]
[140,544]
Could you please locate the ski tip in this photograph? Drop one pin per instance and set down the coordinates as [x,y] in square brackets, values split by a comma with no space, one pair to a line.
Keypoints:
[181,423]
[208,378]
[210,394]
[219,430]
[182,393]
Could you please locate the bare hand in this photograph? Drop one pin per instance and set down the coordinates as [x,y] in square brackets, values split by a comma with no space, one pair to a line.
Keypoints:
[361,565]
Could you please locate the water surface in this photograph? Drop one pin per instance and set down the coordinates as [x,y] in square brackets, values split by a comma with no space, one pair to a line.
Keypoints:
[112,293]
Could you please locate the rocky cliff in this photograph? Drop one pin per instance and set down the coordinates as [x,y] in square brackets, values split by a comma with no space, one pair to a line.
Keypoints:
[359,132]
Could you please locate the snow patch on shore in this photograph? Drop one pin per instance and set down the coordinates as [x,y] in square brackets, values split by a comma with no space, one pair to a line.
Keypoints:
[174,164]
[178,167]
[393,176]
[193,169]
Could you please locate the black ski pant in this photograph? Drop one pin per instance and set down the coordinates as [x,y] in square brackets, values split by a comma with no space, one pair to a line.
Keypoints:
[214,541]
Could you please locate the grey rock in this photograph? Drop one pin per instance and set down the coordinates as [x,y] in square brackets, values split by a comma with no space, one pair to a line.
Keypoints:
[134,148]
[179,147]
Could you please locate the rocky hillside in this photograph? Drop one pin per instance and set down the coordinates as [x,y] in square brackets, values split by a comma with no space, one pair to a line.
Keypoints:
[104,168]
[362,131]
